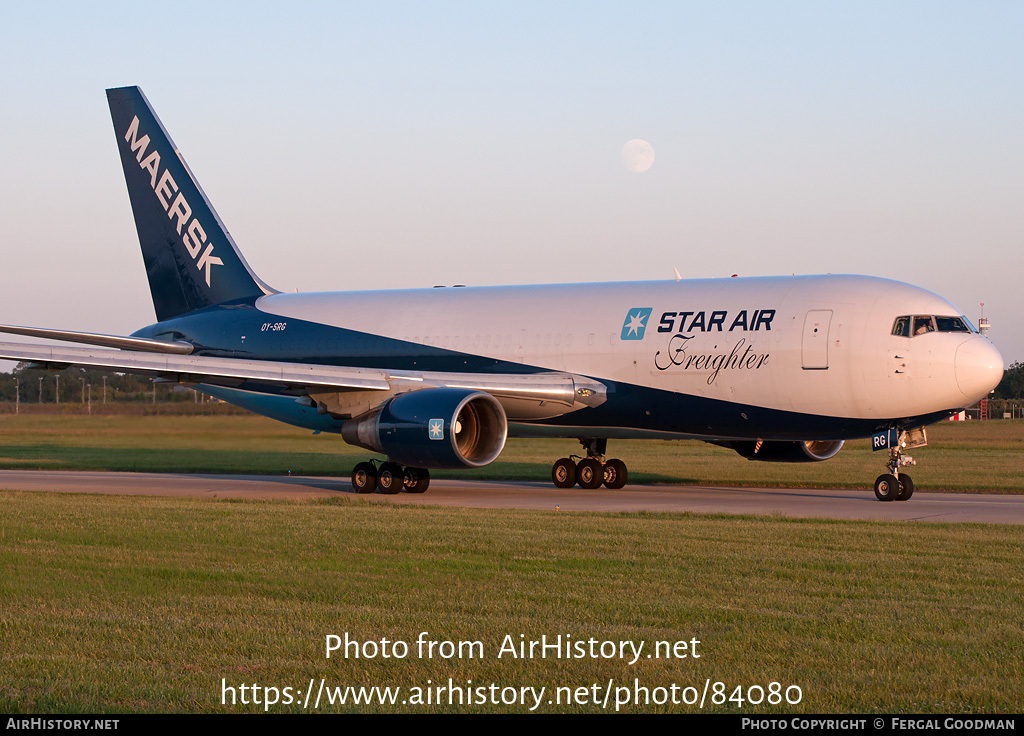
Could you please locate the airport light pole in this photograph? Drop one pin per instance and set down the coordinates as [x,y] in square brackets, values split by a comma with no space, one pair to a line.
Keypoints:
[57,399]
[40,389]
[17,396]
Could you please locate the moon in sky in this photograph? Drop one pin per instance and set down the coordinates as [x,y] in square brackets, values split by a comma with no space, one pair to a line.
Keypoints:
[637,155]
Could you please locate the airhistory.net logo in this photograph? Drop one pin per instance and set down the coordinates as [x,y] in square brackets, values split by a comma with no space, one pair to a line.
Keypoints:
[636,323]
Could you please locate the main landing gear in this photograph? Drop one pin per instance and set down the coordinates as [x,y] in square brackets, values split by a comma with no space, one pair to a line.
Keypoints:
[388,478]
[894,485]
[591,471]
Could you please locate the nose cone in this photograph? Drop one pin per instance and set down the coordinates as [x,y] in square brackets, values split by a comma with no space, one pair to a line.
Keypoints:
[979,368]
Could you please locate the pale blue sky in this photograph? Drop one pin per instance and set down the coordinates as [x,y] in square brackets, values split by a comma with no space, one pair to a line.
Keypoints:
[384,145]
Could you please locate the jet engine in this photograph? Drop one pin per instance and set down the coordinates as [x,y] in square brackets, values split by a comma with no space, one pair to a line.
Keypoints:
[433,428]
[774,451]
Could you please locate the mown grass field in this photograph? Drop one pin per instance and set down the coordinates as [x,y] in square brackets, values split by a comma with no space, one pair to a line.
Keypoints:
[964,456]
[144,604]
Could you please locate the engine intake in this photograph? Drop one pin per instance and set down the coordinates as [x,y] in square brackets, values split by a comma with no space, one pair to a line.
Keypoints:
[433,428]
[773,451]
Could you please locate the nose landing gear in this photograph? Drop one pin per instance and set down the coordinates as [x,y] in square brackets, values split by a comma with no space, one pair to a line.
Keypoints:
[591,471]
[894,485]
[889,487]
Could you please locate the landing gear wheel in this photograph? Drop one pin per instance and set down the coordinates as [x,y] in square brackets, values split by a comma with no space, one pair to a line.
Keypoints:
[563,473]
[416,480]
[615,474]
[887,487]
[906,488]
[589,473]
[391,478]
[364,478]
[903,488]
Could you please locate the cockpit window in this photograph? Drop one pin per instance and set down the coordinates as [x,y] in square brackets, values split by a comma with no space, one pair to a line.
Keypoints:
[951,324]
[919,324]
[923,325]
[901,327]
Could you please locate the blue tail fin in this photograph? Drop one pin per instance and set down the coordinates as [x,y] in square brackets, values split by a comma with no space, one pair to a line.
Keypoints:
[191,260]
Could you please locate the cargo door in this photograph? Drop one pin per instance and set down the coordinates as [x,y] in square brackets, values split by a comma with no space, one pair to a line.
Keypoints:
[814,348]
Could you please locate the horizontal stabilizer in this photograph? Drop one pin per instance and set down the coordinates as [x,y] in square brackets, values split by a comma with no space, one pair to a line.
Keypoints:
[176,347]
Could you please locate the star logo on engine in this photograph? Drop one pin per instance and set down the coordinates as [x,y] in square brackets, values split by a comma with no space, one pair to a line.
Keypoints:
[636,323]
[435,428]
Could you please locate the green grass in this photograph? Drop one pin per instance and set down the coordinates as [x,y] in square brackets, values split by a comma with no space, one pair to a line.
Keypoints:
[144,604]
[966,456]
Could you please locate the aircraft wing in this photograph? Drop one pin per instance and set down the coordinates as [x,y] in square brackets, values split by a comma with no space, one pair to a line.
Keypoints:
[341,390]
[199,368]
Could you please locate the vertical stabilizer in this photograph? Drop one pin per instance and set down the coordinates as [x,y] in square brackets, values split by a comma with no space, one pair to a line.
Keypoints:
[191,260]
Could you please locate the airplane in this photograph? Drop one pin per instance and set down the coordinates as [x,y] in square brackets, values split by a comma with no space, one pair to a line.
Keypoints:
[782,369]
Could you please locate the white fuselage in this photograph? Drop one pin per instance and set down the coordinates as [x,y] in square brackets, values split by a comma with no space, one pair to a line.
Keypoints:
[821,345]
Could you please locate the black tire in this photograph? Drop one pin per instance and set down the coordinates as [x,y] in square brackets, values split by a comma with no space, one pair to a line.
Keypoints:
[589,473]
[417,480]
[390,478]
[615,474]
[364,478]
[563,473]
[906,487]
[887,488]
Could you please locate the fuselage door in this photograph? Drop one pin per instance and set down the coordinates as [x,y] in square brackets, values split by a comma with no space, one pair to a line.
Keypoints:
[814,348]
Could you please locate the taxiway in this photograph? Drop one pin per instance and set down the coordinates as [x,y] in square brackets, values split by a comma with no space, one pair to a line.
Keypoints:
[788,502]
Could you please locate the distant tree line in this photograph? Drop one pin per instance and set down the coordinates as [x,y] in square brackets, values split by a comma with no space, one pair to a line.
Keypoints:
[74,385]
[1012,385]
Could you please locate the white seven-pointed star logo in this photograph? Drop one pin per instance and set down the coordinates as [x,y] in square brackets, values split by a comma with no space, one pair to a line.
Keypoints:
[436,429]
[636,321]
[635,324]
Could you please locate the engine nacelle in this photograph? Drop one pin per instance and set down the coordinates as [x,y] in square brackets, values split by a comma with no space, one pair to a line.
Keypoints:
[808,451]
[433,428]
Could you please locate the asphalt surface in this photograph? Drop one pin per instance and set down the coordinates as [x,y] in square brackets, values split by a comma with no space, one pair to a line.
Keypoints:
[787,502]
